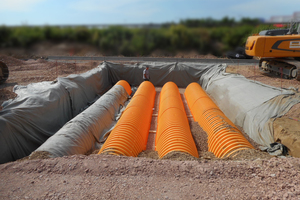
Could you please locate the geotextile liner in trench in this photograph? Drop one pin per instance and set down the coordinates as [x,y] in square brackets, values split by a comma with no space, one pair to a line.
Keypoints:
[41,109]
[84,132]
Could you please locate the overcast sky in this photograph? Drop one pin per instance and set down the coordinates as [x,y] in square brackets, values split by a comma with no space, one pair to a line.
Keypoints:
[68,12]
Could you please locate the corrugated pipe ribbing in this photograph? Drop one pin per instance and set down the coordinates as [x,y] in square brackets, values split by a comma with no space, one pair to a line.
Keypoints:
[130,135]
[125,85]
[173,130]
[224,138]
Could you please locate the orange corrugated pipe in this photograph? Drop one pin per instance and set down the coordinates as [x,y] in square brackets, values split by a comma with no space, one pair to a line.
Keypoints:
[125,85]
[224,138]
[173,130]
[130,135]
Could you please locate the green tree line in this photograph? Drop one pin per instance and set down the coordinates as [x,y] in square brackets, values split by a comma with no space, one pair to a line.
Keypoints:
[203,35]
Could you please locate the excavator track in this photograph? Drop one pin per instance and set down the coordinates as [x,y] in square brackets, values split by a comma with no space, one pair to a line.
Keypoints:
[4,73]
[289,68]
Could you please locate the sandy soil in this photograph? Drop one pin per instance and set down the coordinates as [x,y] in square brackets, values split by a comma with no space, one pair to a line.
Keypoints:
[250,175]
[113,177]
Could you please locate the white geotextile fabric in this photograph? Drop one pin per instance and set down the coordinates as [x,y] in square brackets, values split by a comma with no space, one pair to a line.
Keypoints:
[248,104]
[182,74]
[84,88]
[82,134]
[41,109]
[32,117]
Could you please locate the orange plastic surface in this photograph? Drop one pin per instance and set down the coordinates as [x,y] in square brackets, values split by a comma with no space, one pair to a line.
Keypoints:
[224,137]
[125,85]
[273,46]
[173,130]
[130,135]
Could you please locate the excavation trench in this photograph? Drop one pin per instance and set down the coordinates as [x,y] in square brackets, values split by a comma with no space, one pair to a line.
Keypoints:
[41,110]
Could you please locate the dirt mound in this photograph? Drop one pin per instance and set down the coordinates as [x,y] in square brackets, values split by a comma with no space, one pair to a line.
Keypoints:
[10,61]
[149,154]
[199,135]
[250,154]
[182,54]
[6,95]
[39,155]
[287,132]
[179,156]
[119,177]
[194,54]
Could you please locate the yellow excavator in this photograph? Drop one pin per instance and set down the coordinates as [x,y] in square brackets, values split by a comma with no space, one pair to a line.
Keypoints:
[278,50]
[4,73]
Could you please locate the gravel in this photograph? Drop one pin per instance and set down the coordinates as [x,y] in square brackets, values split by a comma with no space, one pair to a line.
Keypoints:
[251,174]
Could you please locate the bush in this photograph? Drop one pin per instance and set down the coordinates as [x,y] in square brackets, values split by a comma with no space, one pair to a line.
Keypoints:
[201,35]
[5,33]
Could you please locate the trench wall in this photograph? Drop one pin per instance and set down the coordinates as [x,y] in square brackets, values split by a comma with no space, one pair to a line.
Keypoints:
[41,109]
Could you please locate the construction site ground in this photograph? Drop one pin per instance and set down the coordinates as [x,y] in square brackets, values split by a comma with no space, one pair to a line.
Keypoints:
[252,174]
